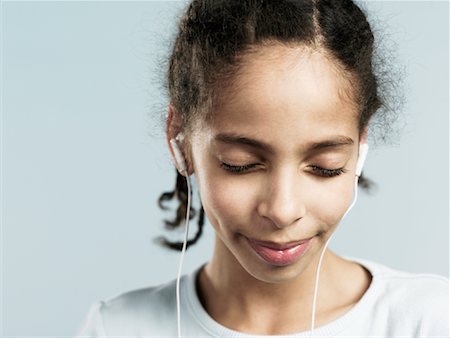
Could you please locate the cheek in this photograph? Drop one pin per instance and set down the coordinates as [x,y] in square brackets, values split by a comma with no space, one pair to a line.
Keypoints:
[330,204]
[227,201]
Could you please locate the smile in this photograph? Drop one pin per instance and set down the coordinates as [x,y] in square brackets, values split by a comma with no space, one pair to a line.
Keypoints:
[277,253]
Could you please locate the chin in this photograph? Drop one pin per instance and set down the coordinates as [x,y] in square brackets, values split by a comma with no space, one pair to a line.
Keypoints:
[275,274]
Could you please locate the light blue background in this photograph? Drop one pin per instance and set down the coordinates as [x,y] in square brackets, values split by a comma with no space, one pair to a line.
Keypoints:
[84,159]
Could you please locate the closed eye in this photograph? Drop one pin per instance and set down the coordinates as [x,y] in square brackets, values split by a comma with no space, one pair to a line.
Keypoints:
[237,169]
[327,172]
[316,170]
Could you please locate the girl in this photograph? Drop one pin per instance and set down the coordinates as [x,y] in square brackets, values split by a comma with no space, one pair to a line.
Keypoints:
[270,108]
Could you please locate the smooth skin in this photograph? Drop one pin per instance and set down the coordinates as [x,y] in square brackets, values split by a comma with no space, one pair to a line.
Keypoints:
[291,124]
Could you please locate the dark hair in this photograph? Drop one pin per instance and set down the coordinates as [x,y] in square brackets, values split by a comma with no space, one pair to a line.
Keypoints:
[214,34]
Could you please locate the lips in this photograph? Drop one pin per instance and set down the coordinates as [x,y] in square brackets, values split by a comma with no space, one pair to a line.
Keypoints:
[279,254]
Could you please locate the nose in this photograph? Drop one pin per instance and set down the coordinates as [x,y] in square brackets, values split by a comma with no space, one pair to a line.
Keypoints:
[283,201]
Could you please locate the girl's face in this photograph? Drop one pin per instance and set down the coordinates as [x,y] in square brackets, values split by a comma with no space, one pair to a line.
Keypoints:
[276,165]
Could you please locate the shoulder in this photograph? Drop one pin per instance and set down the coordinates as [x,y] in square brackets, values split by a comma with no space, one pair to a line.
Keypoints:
[133,312]
[423,298]
[141,303]
[421,288]
[420,298]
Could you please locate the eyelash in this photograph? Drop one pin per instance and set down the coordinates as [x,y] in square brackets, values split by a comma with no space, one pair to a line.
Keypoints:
[328,172]
[239,169]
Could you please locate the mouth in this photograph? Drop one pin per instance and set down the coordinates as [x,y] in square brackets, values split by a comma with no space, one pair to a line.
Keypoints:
[279,254]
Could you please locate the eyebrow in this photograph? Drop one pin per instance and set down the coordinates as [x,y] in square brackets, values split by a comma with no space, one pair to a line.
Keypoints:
[335,141]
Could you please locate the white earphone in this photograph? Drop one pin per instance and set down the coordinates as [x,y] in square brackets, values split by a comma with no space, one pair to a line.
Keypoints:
[363,150]
[182,168]
[179,157]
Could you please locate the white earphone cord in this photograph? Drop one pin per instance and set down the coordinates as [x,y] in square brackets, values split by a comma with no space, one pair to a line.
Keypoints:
[183,250]
[313,312]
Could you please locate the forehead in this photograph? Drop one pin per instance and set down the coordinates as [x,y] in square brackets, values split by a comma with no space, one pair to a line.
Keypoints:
[284,90]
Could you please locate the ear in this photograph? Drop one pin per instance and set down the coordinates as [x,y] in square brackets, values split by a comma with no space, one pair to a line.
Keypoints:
[363,137]
[174,127]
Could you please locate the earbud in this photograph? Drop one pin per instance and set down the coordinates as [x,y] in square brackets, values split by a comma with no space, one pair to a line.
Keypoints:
[363,150]
[179,157]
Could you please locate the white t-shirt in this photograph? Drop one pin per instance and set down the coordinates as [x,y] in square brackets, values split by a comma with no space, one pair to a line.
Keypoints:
[396,304]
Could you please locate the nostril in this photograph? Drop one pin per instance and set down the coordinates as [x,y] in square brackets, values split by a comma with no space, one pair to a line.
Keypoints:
[280,217]
[285,224]
[281,214]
